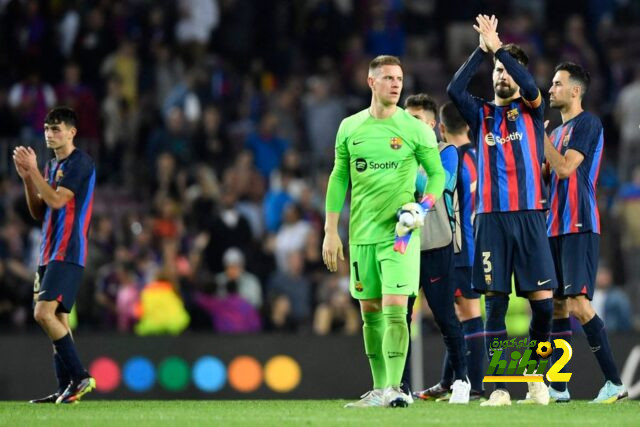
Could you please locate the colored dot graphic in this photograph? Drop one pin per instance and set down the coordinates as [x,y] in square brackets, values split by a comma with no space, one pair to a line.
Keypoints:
[139,374]
[173,374]
[209,374]
[245,374]
[282,373]
[107,374]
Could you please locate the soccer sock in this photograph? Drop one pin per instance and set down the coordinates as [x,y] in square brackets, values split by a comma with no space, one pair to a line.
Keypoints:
[373,331]
[406,374]
[495,328]
[474,343]
[561,328]
[540,326]
[62,374]
[447,371]
[66,349]
[599,343]
[454,342]
[395,342]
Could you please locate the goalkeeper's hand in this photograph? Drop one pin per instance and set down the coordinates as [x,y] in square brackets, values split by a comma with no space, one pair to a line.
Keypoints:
[417,212]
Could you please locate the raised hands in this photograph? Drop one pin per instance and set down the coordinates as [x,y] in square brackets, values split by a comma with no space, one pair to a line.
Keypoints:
[25,160]
[486,28]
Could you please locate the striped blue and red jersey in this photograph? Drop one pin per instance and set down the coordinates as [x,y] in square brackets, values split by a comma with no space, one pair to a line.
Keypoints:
[509,140]
[466,186]
[573,200]
[64,230]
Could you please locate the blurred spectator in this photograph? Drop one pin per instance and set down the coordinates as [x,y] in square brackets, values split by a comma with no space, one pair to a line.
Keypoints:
[246,284]
[291,236]
[267,147]
[323,113]
[72,93]
[30,100]
[197,18]
[161,311]
[335,309]
[628,210]
[627,115]
[289,295]
[611,302]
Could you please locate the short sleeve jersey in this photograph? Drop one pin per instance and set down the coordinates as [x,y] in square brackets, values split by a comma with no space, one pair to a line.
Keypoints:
[64,230]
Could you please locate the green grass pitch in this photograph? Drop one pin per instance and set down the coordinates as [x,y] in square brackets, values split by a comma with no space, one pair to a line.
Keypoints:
[263,413]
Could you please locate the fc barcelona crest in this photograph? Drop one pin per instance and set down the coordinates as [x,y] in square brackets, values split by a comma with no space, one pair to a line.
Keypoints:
[565,140]
[395,143]
[512,115]
[359,286]
[59,175]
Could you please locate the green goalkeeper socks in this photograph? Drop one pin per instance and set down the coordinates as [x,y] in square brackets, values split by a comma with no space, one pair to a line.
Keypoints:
[395,342]
[373,331]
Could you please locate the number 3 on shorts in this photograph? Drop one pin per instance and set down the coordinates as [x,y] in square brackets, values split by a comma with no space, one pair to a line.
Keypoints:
[486,263]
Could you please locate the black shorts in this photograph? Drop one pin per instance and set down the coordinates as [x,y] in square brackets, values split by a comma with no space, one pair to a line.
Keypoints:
[462,283]
[58,281]
[436,280]
[512,243]
[576,261]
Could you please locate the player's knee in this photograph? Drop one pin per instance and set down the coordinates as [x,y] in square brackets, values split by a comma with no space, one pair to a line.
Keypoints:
[43,315]
[580,308]
[560,308]
[467,308]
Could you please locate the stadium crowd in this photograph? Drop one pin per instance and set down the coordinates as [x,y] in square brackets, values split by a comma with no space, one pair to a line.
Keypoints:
[212,123]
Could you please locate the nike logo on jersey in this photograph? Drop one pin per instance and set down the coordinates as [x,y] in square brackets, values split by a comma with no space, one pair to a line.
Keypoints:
[540,283]
[434,279]
[567,287]
[401,286]
[357,142]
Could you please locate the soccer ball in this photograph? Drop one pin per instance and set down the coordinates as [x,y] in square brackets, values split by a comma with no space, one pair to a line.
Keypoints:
[407,219]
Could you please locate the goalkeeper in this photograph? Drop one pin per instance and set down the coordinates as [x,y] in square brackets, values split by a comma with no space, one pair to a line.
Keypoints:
[378,150]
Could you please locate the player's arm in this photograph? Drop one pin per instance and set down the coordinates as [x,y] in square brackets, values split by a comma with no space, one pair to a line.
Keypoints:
[523,78]
[467,104]
[487,28]
[429,158]
[449,158]
[55,199]
[336,193]
[565,165]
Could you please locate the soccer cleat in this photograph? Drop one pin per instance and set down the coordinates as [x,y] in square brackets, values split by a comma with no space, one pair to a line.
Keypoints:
[477,395]
[559,396]
[48,399]
[434,393]
[395,397]
[460,392]
[370,399]
[538,394]
[499,397]
[610,393]
[75,391]
[407,391]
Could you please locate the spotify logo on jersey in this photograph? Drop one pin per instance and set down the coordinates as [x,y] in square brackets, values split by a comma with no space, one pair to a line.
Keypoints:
[361,165]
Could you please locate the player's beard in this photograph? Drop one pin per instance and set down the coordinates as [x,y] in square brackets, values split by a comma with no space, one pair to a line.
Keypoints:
[504,91]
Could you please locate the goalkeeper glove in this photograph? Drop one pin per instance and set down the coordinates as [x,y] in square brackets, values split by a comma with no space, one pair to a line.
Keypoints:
[411,216]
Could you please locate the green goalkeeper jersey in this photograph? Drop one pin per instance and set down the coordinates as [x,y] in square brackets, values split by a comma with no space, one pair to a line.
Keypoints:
[381,157]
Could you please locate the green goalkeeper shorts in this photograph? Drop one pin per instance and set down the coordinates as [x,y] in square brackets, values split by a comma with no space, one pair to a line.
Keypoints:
[378,270]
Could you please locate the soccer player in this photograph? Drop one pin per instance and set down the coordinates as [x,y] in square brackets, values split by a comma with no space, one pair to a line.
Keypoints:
[378,151]
[510,200]
[62,200]
[574,153]
[454,130]
[436,256]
